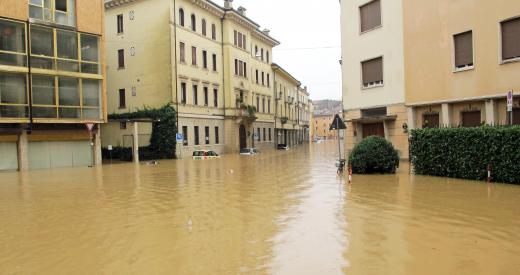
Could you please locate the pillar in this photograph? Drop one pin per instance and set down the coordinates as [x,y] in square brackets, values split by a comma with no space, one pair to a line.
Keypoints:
[387,134]
[135,149]
[23,153]
[490,112]
[98,159]
[446,115]
[411,118]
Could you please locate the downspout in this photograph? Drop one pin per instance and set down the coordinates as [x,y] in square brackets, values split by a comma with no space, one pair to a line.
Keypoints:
[175,62]
[275,110]
[223,64]
[28,42]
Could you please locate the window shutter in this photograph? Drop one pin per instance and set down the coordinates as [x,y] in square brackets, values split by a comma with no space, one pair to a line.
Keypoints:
[372,70]
[370,15]
[511,39]
[463,49]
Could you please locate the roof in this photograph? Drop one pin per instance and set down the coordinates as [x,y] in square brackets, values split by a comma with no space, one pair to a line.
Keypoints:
[277,67]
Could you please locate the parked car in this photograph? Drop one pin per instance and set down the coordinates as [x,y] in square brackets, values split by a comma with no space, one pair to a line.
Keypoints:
[282,147]
[249,151]
[204,154]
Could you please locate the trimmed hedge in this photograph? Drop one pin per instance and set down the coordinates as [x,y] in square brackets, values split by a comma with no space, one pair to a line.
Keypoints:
[374,155]
[466,152]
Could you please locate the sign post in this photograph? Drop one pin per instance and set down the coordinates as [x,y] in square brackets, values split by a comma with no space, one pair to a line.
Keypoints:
[338,125]
[180,139]
[90,128]
[510,106]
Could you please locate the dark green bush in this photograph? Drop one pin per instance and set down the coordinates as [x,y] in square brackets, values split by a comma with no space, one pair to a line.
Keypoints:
[466,152]
[374,155]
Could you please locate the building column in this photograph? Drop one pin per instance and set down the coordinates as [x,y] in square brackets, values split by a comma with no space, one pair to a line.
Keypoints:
[98,158]
[446,115]
[135,147]
[23,153]
[411,118]
[490,112]
[385,127]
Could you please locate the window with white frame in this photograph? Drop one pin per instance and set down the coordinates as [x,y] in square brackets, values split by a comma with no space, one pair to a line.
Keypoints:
[463,50]
[372,72]
[55,11]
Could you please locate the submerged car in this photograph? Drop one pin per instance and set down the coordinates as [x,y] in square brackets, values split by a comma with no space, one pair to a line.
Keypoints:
[249,151]
[205,154]
[282,147]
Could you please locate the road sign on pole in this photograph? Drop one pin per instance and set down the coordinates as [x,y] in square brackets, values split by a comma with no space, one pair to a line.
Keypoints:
[180,137]
[510,101]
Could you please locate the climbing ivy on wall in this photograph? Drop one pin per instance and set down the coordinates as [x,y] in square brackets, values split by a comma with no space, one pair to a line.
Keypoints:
[164,129]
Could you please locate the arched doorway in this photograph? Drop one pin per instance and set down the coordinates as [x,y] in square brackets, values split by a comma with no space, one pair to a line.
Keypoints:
[242,136]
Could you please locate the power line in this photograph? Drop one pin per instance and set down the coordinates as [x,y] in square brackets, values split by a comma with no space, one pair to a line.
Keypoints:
[309,48]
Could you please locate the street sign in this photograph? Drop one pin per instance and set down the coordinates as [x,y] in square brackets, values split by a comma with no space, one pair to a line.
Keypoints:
[110,148]
[337,124]
[510,101]
[90,126]
[180,137]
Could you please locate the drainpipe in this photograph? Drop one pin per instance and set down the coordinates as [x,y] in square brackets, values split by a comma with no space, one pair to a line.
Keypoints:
[275,110]
[175,62]
[28,42]
[223,66]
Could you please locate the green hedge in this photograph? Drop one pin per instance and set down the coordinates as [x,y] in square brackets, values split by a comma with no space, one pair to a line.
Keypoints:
[374,155]
[466,152]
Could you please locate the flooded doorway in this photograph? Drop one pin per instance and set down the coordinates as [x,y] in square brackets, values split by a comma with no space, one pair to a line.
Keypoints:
[242,136]
[373,129]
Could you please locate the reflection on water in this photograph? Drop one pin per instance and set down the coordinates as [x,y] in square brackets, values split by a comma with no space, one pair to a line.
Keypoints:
[282,212]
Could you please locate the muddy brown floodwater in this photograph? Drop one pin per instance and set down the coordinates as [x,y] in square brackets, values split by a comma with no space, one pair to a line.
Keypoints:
[282,212]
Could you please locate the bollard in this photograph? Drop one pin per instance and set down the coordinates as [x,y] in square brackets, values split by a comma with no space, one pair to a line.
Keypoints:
[489,167]
[350,174]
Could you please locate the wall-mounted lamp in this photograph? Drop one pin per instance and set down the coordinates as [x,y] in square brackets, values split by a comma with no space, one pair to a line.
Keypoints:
[405,128]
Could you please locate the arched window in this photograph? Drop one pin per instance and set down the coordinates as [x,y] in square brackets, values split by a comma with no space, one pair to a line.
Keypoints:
[213,32]
[181,17]
[193,23]
[267,56]
[204,27]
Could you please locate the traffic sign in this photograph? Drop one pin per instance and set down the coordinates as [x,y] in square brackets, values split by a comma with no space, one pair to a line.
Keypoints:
[510,101]
[90,126]
[337,124]
[180,137]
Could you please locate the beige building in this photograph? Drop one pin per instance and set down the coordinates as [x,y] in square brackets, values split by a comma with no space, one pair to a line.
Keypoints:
[321,127]
[51,83]
[459,71]
[373,71]
[213,64]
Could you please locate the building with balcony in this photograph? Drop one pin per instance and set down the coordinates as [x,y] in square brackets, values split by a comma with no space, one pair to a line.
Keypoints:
[51,83]
[212,63]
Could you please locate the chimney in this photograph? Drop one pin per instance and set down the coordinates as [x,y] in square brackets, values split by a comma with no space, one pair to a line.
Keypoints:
[242,10]
[228,4]
[266,31]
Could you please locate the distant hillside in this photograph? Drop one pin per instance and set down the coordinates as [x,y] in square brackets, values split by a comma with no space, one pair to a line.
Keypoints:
[327,107]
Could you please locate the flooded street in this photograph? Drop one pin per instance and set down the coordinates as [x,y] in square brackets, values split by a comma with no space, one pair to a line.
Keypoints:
[282,212]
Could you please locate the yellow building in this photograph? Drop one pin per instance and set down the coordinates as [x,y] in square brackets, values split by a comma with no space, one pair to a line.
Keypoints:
[459,71]
[213,64]
[286,91]
[51,83]
[321,127]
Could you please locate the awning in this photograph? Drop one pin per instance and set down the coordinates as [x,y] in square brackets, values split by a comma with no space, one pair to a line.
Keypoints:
[373,119]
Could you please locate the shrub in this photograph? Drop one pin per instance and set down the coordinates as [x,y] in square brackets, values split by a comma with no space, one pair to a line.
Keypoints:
[374,155]
[466,152]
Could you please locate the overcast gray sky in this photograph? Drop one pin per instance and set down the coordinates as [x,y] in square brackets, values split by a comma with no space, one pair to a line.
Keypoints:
[310,34]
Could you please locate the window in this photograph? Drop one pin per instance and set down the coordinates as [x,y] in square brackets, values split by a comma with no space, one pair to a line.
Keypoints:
[264,135]
[196,134]
[121,59]
[256,50]
[215,97]
[183,93]
[68,92]
[217,138]
[258,103]
[193,23]
[67,50]
[268,106]
[182,52]
[270,137]
[89,53]
[267,56]
[262,54]
[206,136]
[122,99]
[43,90]
[239,40]
[194,56]
[256,76]
[268,80]
[13,95]
[12,44]
[263,105]
[431,121]
[181,17]
[195,95]
[206,96]
[370,15]
[214,62]
[42,46]
[240,68]
[120,28]
[55,11]
[185,135]
[510,39]
[122,125]
[213,32]
[258,134]
[516,116]
[372,71]
[471,119]
[204,59]
[463,43]
[263,78]
[204,27]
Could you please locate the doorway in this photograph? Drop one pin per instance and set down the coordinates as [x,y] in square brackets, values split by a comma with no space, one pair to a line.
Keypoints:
[242,136]
[373,129]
